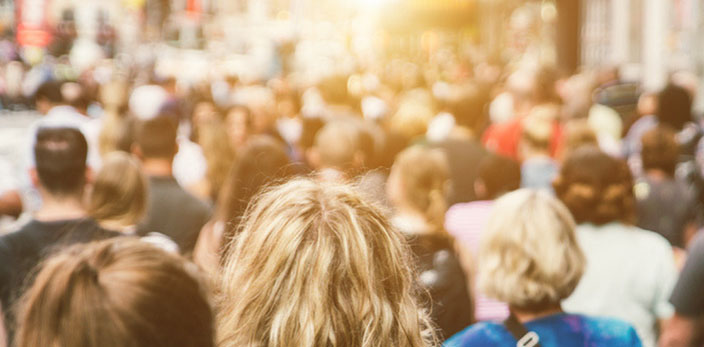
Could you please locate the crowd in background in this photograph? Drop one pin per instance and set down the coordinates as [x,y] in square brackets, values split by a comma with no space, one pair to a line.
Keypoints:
[444,199]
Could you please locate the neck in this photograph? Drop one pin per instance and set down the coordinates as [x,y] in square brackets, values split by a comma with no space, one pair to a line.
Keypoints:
[157,167]
[55,209]
[526,316]
[658,175]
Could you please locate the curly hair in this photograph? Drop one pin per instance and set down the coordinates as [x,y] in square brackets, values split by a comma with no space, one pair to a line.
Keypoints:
[317,265]
[596,188]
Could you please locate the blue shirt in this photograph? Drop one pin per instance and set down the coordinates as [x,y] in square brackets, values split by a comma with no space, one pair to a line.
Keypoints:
[555,330]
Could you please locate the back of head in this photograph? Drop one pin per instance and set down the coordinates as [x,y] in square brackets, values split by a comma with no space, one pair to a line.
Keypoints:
[60,157]
[578,133]
[596,188]
[316,265]
[538,128]
[412,118]
[115,293]
[119,191]
[529,256]
[469,110]
[337,144]
[49,91]
[499,175]
[660,150]
[674,107]
[422,175]
[156,137]
[262,161]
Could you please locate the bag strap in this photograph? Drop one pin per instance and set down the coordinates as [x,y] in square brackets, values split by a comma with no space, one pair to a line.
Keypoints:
[524,338]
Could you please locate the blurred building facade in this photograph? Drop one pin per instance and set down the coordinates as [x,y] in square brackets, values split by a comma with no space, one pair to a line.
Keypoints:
[649,39]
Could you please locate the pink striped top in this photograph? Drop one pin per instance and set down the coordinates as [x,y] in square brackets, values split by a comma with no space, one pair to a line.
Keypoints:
[466,222]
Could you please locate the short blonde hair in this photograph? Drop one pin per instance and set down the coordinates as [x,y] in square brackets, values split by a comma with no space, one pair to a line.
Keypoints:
[529,256]
[316,265]
[119,191]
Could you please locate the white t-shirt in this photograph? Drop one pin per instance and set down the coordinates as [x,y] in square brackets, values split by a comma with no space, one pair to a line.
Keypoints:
[630,275]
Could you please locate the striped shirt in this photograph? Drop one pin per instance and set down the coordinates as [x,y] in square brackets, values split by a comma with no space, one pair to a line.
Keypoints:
[466,222]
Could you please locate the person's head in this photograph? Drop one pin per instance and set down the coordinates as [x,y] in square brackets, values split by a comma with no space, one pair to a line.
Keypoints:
[412,118]
[47,96]
[660,150]
[538,131]
[238,122]
[577,134]
[529,256]
[596,187]
[419,180]
[155,138]
[263,161]
[204,111]
[119,195]
[497,175]
[316,265]
[469,111]
[60,159]
[674,107]
[337,146]
[115,293]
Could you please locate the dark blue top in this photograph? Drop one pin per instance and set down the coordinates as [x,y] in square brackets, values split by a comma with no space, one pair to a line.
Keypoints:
[556,330]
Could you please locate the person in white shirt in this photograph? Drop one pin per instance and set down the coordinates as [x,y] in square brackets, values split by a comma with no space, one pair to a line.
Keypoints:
[630,271]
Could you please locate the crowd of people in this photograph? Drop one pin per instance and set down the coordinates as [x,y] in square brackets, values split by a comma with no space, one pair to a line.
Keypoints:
[413,202]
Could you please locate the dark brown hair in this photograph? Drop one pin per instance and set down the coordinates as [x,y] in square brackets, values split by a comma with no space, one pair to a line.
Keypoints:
[60,157]
[499,174]
[596,188]
[660,150]
[120,292]
[157,137]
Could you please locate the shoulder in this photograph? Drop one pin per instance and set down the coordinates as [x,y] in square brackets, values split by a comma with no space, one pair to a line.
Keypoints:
[653,240]
[480,334]
[18,238]
[610,331]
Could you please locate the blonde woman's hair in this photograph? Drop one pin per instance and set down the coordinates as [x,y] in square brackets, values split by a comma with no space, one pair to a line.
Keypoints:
[115,293]
[424,175]
[316,265]
[119,194]
[529,256]
[218,153]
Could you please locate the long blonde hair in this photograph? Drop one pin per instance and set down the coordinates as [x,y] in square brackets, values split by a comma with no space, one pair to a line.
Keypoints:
[119,194]
[316,265]
[218,152]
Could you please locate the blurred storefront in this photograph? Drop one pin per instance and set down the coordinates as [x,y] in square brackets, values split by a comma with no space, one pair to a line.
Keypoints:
[649,39]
